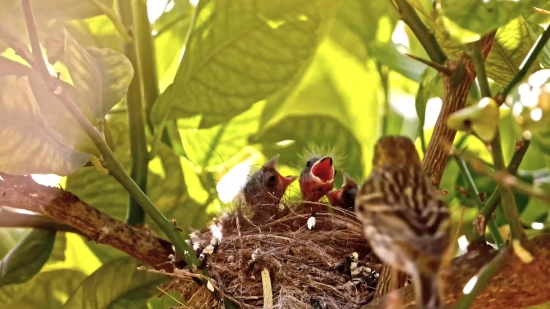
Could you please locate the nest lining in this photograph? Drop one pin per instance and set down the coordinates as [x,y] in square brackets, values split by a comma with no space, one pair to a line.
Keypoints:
[301,262]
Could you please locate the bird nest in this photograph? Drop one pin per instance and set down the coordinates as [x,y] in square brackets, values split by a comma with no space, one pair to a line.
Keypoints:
[301,264]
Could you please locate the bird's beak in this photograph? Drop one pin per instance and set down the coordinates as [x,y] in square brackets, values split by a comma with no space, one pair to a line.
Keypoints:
[334,196]
[288,179]
[322,171]
[273,164]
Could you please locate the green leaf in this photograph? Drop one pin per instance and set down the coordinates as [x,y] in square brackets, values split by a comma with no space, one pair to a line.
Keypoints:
[389,55]
[170,29]
[44,10]
[165,186]
[117,284]
[511,46]
[329,107]
[55,114]
[359,24]
[51,289]
[27,258]
[230,65]
[102,76]
[483,17]
[211,148]
[10,294]
[29,145]
[536,31]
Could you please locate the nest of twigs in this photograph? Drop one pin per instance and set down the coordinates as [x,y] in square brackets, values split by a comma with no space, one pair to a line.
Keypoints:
[301,262]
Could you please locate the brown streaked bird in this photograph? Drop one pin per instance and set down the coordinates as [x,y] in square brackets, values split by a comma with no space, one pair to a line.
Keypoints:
[317,178]
[266,186]
[404,218]
[345,196]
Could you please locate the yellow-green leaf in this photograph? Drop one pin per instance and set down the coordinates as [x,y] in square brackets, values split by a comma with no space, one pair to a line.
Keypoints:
[100,75]
[483,17]
[512,44]
[26,259]
[241,52]
[116,284]
[29,145]
[51,289]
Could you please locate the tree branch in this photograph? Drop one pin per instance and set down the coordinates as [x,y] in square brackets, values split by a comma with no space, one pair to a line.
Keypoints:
[511,287]
[115,169]
[9,218]
[64,207]
[457,87]
[426,38]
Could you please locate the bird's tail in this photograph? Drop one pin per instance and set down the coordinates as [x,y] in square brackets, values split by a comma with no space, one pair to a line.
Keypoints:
[429,292]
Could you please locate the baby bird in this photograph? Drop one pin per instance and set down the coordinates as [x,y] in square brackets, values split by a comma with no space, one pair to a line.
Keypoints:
[316,180]
[267,186]
[345,196]
[404,219]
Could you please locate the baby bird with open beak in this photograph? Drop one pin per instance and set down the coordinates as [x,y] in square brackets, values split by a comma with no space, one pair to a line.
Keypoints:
[317,179]
[345,196]
[267,186]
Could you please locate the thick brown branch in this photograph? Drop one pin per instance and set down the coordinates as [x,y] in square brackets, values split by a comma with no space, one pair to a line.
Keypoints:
[66,208]
[9,218]
[516,285]
[456,89]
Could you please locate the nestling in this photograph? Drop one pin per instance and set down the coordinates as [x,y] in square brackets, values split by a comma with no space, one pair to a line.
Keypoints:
[404,219]
[267,186]
[317,178]
[345,196]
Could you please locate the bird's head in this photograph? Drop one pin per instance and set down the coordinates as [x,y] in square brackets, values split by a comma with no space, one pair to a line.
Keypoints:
[345,196]
[317,178]
[272,180]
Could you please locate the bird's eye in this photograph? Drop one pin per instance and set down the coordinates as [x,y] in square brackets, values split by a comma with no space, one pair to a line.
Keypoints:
[360,208]
[271,179]
[308,164]
[319,189]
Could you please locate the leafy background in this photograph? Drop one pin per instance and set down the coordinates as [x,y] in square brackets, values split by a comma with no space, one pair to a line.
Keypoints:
[254,79]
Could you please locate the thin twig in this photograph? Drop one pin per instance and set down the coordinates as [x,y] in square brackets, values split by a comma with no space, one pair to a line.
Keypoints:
[503,178]
[494,200]
[438,67]
[424,35]
[508,201]
[473,193]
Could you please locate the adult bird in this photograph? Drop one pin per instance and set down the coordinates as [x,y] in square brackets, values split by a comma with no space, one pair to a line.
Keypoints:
[266,187]
[345,196]
[316,180]
[404,218]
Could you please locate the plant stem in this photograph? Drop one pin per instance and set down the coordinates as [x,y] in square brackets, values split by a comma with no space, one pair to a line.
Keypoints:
[145,48]
[115,169]
[503,178]
[477,59]
[472,191]
[508,202]
[138,144]
[526,65]
[426,38]
[384,78]
[494,200]
[483,276]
